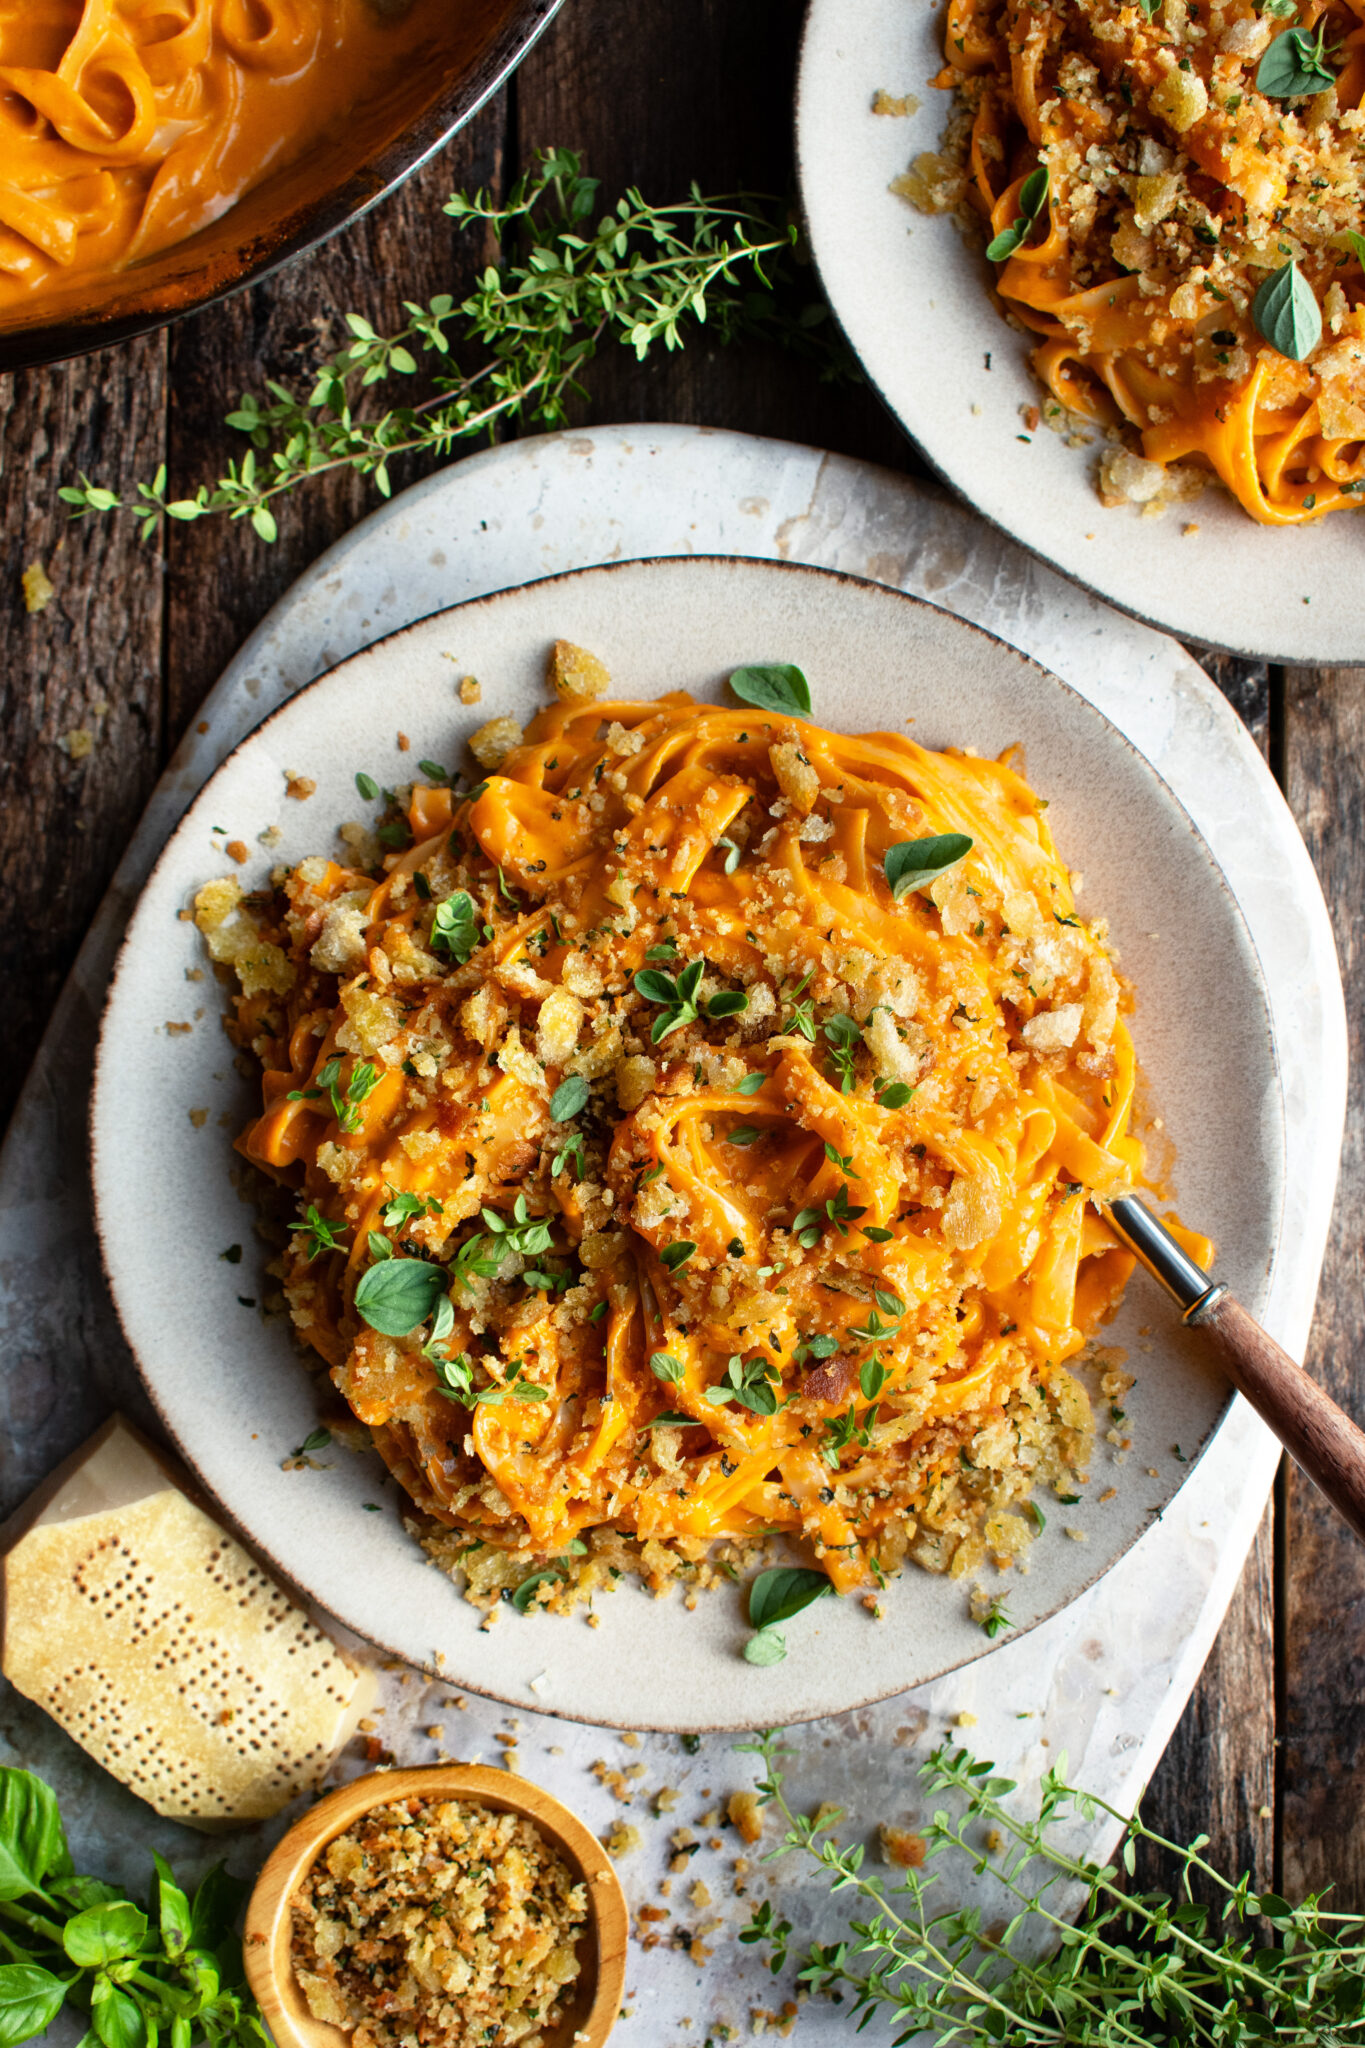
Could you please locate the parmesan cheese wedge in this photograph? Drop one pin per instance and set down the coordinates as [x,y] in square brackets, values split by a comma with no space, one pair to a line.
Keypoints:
[162,1647]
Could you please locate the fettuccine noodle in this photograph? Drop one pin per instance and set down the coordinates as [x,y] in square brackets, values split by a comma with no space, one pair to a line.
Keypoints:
[828,1206]
[125,125]
[1176,189]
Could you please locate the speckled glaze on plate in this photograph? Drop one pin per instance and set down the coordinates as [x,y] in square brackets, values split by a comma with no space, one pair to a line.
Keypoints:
[914,299]
[230,1387]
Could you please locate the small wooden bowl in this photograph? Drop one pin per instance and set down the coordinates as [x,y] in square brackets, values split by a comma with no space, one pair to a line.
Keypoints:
[596,1999]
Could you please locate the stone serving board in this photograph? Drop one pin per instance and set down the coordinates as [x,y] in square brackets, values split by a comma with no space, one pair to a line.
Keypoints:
[1103,1682]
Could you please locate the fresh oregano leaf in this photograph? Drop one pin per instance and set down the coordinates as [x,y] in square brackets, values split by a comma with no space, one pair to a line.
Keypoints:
[569,1098]
[367,786]
[778,1594]
[1286,312]
[769,1646]
[914,863]
[665,1366]
[678,1254]
[397,1295]
[778,687]
[521,1598]
[1295,66]
[751,1084]
[670,1419]
[1032,199]
[729,1002]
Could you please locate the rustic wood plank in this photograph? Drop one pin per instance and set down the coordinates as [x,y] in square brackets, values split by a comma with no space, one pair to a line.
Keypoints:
[89,662]
[705,92]
[1323,1620]
[221,578]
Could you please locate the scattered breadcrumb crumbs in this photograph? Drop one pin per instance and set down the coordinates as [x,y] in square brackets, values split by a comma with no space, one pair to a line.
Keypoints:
[994,1841]
[236,849]
[404,743]
[436,1731]
[300,787]
[699,1895]
[441,1922]
[470,690]
[901,1847]
[1110,1493]
[575,675]
[1076,1535]
[745,1810]
[199,1117]
[1189,529]
[39,590]
[964,1719]
[623,1840]
[895,105]
[631,1739]
[79,744]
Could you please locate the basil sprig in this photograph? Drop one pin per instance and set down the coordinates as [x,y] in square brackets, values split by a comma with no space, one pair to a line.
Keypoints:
[1032,199]
[1295,66]
[1287,313]
[775,687]
[914,863]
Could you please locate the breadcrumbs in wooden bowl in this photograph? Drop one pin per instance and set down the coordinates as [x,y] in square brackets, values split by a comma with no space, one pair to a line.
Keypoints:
[454,1907]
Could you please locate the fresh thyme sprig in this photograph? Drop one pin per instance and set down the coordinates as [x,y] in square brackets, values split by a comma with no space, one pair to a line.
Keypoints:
[1132,1970]
[515,350]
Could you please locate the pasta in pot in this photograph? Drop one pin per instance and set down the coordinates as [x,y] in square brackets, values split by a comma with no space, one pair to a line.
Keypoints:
[677,1158]
[126,125]
[1194,150]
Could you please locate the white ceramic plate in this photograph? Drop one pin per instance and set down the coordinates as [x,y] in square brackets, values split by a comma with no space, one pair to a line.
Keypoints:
[913,299]
[230,1387]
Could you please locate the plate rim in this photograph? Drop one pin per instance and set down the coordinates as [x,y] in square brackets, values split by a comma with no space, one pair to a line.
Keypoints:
[681,564]
[1241,650]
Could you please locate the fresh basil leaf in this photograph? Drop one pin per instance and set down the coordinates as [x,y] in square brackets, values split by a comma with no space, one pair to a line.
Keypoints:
[731,1002]
[434,772]
[914,863]
[877,1234]
[217,1900]
[379,1245]
[80,1892]
[397,1295]
[896,1096]
[454,928]
[778,1594]
[890,1304]
[32,1838]
[173,1908]
[822,1347]
[104,1934]
[30,1999]
[767,1647]
[775,687]
[569,1098]
[744,1134]
[117,2016]
[670,1419]
[656,987]
[1286,312]
[675,1255]
[1294,67]
[751,1084]
[665,1366]
[667,949]
[316,1440]
[689,981]
[367,786]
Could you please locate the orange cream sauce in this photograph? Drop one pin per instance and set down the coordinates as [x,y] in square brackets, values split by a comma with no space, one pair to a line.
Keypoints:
[127,125]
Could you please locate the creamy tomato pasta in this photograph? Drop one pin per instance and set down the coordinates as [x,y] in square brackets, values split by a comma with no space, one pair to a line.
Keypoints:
[1174,193]
[695,1129]
[125,125]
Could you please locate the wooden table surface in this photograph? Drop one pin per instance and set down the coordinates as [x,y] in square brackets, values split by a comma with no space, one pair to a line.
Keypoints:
[1270,1757]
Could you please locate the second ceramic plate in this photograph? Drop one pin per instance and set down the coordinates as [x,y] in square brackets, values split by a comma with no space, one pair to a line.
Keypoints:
[914,299]
[230,1386]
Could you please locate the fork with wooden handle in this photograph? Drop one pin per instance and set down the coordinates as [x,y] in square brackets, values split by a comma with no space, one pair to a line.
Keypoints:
[1324,1442]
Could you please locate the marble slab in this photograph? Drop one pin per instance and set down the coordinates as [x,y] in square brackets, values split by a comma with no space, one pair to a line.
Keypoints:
[1105,1681]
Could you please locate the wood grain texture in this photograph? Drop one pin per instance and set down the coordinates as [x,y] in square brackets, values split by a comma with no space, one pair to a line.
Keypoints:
[703,90]
[221,578]
[89,662]
[1323,1771]
[596,2000]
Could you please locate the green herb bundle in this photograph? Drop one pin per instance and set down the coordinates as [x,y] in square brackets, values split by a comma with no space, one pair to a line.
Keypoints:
[172,1968]
[515,350]
[1130,1970]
